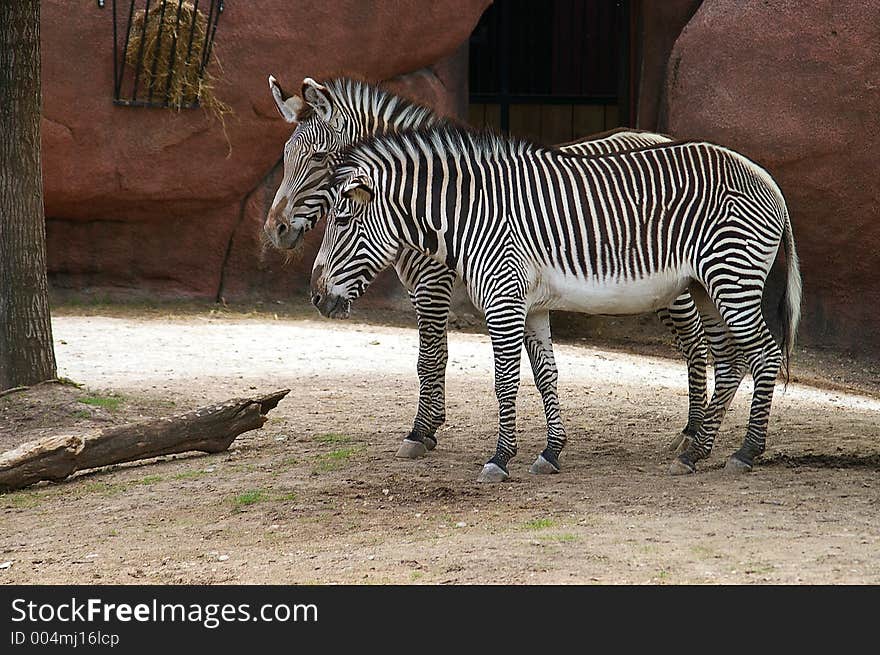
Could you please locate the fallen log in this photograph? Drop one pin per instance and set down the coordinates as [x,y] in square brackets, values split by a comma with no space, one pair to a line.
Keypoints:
[208,429]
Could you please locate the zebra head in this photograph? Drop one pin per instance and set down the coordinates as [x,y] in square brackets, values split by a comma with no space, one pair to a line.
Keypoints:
[303,197]
[357,246]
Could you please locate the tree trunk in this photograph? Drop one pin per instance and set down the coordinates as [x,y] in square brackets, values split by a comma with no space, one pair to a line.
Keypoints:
[26,351]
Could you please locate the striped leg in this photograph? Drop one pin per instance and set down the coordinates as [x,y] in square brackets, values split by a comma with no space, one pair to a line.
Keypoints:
[748,337]
[683,320]
[764,358]
[730,368]
[431,300]
[506,322]
[539,347]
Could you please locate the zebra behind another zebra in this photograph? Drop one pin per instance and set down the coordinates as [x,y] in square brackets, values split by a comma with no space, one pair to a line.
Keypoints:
[529,229]
[343,111]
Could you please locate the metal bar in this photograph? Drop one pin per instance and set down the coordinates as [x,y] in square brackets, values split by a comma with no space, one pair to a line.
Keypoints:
[206,46]
[115,55]
[140,57]
[192,31]
[173,55]
[158,50]
[541,99]
[213,34]
[504,66]
[125,49]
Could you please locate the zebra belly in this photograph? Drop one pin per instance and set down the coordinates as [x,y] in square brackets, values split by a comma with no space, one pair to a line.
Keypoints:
[556,290]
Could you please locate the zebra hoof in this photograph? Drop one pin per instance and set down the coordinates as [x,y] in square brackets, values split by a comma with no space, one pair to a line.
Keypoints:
[430,443]
[542,466]
[735,465]
[680,467]
[411,449]
[492,473]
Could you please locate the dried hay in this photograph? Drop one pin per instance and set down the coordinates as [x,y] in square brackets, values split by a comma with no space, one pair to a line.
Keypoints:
[168,61]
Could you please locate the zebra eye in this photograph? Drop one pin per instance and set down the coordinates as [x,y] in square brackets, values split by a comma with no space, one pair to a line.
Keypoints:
[320,157]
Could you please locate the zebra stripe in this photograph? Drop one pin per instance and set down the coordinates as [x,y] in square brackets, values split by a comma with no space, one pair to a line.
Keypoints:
[536,229]
[361,111]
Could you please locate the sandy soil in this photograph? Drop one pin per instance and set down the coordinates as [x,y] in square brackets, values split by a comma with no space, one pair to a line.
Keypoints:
[317,496]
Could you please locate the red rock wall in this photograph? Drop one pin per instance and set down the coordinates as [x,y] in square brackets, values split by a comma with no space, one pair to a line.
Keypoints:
[147,200]
[797,89]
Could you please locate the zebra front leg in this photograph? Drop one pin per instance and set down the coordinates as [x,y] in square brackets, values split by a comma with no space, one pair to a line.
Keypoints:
[506,323]
[431,300]
[539,347]
[683,320]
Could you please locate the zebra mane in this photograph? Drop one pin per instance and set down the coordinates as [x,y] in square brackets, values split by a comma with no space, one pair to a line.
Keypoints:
[443,138]
[367,100]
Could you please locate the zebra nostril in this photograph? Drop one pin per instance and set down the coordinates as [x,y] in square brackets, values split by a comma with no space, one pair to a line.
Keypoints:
[282,228]
[316,299]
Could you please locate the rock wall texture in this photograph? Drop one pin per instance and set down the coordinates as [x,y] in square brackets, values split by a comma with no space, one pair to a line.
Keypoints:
[797,89]
[660,23]
[154,201]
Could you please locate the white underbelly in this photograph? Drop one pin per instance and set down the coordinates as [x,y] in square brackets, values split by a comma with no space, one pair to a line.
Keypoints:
[556,290]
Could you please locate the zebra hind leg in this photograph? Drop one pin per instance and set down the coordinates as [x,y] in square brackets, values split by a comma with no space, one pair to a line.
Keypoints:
[539,347]
[730,367]
[764,359]
[683,320]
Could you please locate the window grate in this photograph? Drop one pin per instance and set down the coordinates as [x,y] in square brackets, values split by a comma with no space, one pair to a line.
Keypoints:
[161,49]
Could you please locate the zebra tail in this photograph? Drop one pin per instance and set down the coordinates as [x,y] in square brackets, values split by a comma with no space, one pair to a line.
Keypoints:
[790,303]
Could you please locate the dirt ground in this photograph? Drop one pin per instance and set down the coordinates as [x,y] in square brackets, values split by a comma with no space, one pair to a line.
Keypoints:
[316,496]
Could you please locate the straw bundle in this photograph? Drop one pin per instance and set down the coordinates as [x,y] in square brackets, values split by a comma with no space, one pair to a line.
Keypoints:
[170,49]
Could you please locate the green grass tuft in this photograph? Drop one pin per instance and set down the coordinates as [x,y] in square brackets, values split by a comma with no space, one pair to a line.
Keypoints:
[540,524]
[250,498]
[335,459]
[110,403]
[150,479]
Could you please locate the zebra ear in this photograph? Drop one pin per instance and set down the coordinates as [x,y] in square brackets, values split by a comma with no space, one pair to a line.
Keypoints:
[288,106]
[359,188]
[317,97]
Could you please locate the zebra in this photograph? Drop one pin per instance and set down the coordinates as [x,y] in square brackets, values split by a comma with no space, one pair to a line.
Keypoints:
[529,229]
[342,111]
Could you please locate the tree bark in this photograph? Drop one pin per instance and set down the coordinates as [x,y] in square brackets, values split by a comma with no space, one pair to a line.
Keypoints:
[26,352]
[209,429]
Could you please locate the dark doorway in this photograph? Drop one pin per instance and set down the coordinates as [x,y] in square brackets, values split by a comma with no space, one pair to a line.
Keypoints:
[552,71]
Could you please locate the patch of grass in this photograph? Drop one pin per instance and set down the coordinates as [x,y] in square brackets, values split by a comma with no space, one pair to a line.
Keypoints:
[82,413]
[663,575]
[416,575]
[110,403]
[21,499]
[286,497]
[190,475]
[249,498]
[106,488]
[332,437]
[70,383]
[150,479]
[335,459]
[540,524]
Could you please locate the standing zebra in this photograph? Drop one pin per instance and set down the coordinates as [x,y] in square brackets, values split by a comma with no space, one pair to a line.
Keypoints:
[343,111]
[529,229]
